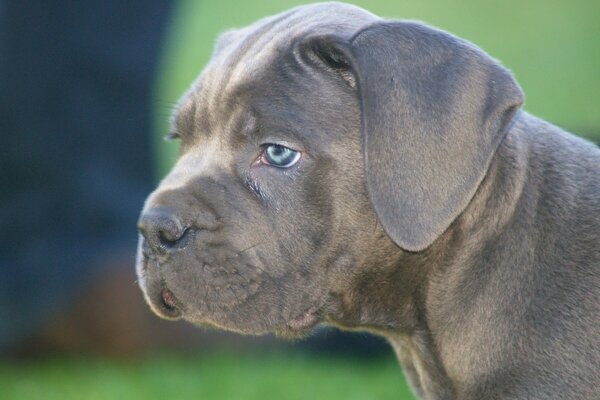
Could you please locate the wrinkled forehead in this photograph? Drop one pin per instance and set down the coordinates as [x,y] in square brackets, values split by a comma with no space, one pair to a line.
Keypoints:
[245,60]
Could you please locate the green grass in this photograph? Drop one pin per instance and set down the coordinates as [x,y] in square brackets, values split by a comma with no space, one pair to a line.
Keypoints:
[214,376]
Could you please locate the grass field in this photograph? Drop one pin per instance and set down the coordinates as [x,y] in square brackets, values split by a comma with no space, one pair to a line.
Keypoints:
[216,376]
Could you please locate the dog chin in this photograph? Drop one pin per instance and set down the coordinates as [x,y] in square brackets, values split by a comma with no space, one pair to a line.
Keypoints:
[288,333]
[215,323]
[298,328]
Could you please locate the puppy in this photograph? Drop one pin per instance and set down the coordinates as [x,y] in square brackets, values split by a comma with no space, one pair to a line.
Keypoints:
[380,175]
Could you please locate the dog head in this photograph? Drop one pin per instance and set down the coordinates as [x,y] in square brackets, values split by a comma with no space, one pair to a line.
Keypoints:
[317,147]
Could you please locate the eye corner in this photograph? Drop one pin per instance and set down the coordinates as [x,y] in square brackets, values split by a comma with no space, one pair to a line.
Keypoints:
[172,136]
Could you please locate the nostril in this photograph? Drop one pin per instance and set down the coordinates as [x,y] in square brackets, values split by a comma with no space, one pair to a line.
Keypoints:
[162,230]
[169,238]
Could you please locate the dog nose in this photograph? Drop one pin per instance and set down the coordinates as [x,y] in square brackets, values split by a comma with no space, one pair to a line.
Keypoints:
[162,229]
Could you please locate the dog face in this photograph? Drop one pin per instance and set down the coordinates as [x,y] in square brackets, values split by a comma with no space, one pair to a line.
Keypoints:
[315,145]
[239,241]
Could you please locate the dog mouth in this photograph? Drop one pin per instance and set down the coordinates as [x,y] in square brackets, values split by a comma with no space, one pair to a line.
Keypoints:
[304,321]
[168,300]
[166,304]
[159,297]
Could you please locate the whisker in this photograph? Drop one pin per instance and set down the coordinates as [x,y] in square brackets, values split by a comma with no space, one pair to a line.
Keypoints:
[249,248]
[242,251]
[266,274]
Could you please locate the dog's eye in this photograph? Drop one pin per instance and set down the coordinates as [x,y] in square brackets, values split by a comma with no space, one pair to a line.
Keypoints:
[279,156]
[172,136]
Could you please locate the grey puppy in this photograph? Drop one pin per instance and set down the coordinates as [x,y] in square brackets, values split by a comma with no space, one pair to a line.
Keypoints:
[380,175]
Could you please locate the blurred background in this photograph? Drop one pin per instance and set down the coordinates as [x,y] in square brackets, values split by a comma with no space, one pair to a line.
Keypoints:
[86,89]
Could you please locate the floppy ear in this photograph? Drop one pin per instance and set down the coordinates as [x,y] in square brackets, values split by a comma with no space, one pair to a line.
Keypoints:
[434,109]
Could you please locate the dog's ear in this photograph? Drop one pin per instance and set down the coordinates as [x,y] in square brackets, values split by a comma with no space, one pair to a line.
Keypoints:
[434,109]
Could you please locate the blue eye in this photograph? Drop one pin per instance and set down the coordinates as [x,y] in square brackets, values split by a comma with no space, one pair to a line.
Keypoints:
[279,156]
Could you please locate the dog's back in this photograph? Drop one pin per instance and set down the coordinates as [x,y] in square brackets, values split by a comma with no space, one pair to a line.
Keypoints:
[563,306]
[537,308]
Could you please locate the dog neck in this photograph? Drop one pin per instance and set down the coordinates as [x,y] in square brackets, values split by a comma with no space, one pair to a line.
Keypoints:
[445,352]
[433,351]
[409,302]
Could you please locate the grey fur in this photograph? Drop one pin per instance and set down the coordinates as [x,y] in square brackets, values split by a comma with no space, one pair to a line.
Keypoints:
[426,207]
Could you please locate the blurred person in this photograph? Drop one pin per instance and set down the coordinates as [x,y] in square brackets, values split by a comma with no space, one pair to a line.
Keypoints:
[75,167]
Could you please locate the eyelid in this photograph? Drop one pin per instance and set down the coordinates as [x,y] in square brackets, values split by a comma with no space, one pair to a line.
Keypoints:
[172,136]
[293,146]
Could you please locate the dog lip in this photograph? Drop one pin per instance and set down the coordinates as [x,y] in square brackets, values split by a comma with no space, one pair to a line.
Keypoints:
[167,305]
[168,300]
[304,321]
